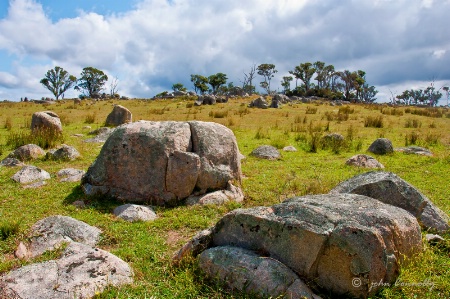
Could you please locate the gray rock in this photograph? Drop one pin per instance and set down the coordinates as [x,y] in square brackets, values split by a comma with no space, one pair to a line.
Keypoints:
[245,271]
[158,161]
[381,146]
[79,204]
[11,162]
[364,161]
[289,148]
[232,193]
[38,184]
[64,153]
[30,174]
[199,243]
[266,152]
[46,120]
[81,272]
[118,116]
[102,135]
[434,239]
[330,240]
[70,175]
[414,150]
[259,103]
[27,152]
[51,232]
[391,189]
[132,213]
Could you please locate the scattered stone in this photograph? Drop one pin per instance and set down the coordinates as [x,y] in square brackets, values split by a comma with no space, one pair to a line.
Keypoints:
[27,152]
[289,148]
[434,239]
[119,116]
[132,213]
[46,120]
[391,189]
[35,185]
[232,193]
[70,175]
[158,162]
[364,161]
[259,103]
[11,162]
[414,150]
[64,153]
[381,146]
[102,135]
[266,152]
[21,251]
[78,135]
[330,239]
[200,242]
[245,271]
[87,127]
[81,272]
[30,174]
[51,232]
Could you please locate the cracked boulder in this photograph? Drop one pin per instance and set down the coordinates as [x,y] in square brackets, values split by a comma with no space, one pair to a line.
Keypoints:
[163,163]
[81,271]
[330,240]
[391,189]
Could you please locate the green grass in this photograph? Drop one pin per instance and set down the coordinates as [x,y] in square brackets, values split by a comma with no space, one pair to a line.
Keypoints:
[148,247]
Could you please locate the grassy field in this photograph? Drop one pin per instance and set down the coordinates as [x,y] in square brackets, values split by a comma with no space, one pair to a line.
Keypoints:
[313,169]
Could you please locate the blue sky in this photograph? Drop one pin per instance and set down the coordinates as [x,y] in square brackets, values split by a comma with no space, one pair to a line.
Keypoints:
[151,44]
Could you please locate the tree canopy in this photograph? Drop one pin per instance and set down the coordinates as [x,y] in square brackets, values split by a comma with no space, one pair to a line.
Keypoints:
[267,70]
[91,82]
[58,81]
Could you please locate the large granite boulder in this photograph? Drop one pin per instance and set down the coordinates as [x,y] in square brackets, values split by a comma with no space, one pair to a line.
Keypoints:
[27,152]
[329,240]
[391,189]
[164,162]
[46,120]
[118,116]
[381,146]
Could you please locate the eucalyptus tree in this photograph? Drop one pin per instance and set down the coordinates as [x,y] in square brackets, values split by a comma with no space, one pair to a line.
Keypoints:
[216,81]
[304,72]
[91,82]
[267,70]
[58,81]
[200,83]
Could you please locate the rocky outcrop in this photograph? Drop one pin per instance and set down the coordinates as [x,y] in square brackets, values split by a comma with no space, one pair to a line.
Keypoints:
[393,190]
[163,162]
[266,152]
[259,103]
[381,146]
[325,239]
[46,120]
[364,161]
[118,116]
[27,152]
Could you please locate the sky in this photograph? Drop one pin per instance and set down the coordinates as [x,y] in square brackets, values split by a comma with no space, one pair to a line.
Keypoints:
[148,45]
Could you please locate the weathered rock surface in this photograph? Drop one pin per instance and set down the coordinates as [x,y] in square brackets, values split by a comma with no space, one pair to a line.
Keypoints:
[81,272]
[266,152]
[259,103]
[244,270]
[393,190]
[102,135]
[199,243]
[30,174]
[206,99]
[46,120]
[132,213]
[434,239]
[64,153]
[51,232]
[289,148]
[11,162]
[27,152]
[118,116]
[365,161]
[327,239]
[70,175]
[163,162]
[381,146]
[414,150]
[232,193]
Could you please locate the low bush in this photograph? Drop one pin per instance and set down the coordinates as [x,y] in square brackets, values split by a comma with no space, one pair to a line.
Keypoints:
[373,122]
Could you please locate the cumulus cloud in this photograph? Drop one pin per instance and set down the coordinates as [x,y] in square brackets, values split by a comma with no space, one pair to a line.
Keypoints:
[159,42]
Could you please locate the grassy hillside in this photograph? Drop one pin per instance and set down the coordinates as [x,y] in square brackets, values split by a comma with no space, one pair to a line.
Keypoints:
[148,247]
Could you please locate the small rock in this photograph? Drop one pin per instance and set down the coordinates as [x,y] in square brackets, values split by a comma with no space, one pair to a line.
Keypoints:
[266,152]
[29,174]
[132,213]
[70,175]
[11,162]
[21,251]
[364,161]
[35,185]
[27,152]
[381,146]
[289,148]
[414,150]
[119,116]
[64,153]
[79,204]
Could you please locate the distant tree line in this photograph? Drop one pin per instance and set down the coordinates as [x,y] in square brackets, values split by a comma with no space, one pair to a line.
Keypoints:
[429,96]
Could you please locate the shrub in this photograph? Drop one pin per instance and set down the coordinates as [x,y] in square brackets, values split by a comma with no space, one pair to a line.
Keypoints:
[8,229]
[45,138]
[413,123]
[90,118]
[373,121]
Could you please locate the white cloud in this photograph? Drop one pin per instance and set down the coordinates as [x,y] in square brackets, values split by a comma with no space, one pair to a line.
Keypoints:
[162,42]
